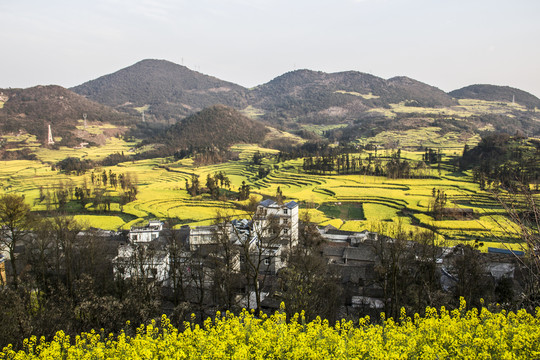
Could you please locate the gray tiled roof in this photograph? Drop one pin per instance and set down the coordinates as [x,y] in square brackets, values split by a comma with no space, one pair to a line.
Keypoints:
[291,204]
[267,203]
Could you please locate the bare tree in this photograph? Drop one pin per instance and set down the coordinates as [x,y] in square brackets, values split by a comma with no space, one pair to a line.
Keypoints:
[225,261]
[263,249]
[178,253]
[16,222]
[406,268]
[523,212]
[307,283]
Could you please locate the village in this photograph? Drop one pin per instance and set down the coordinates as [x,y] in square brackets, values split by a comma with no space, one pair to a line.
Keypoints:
[246,263]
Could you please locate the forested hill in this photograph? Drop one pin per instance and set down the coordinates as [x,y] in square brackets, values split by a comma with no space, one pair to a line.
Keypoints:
[318,97]
[169,91]
[33,109]
[497,93]
[216,127]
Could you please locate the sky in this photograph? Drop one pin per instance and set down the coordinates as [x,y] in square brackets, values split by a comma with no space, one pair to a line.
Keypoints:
[445,43]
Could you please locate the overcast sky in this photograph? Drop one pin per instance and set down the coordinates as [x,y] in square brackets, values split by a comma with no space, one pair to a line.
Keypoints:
[445,43]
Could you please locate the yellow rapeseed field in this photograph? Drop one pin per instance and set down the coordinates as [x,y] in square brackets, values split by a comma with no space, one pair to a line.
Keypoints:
[440,334]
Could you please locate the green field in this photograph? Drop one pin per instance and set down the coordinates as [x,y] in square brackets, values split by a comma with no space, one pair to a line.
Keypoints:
[349,202]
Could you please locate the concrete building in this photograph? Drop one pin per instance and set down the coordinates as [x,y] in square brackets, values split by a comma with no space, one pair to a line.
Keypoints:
[145,234]
[271,216]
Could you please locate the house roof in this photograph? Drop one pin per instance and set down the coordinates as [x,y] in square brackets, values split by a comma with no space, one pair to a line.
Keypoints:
[333,251]
[267,203]
[358,254]
[291,204]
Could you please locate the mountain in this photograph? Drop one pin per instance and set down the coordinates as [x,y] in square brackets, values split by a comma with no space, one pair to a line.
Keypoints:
[497,93]
[342,106]
[218,126]
[33,109]
[169,91]
[317,97]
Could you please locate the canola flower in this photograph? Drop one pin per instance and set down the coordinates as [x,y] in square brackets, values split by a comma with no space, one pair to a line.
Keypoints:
[440,334]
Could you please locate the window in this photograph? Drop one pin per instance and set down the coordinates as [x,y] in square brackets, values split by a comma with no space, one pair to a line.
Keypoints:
[285,211]
[154,236]
[285,231]
[267,261]
[134,237]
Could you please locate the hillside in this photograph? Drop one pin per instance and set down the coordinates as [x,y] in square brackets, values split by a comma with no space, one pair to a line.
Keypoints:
[218,126]
[343,106]
[497,93]
[167,91]
[33,109]
[318,97]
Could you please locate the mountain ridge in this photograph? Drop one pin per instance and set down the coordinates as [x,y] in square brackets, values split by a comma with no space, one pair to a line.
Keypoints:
[360,104]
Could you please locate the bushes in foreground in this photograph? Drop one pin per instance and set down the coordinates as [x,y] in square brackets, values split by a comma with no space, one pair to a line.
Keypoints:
[443,334]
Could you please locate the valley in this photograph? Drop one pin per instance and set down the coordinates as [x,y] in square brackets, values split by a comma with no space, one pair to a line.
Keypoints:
[364,201]
[160,125]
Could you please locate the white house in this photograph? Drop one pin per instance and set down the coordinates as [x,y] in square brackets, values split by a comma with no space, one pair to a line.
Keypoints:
[145,234]
[146,255]
[284,217]
[142,257]
[142,262]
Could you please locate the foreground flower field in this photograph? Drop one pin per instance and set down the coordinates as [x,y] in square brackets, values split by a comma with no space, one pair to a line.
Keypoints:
[442,334]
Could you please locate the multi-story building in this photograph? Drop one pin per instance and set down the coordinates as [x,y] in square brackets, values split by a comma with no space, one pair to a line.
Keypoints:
[145,234]
[143,256]
[271,217]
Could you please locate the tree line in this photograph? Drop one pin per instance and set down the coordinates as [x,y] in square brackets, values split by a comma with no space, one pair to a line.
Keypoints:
[392,166]
[100,188]
[501,160]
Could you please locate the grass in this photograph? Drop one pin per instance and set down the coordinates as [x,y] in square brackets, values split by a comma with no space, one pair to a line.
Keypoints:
[344,211]
[140,109]
[365,96]
[426,137]
[252,112]
[320,129]
[105,222]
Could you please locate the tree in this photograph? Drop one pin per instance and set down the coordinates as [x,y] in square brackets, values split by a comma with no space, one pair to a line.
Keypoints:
[307,283]
[468,269]
[406,268]
[16,222]
[523,222]
[438,203]
[261,248]
[257,158]
[244,192]
[194,189]
[178,265]
[225,263]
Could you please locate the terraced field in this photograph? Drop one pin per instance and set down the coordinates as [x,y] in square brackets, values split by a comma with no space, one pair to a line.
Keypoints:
[363,201]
